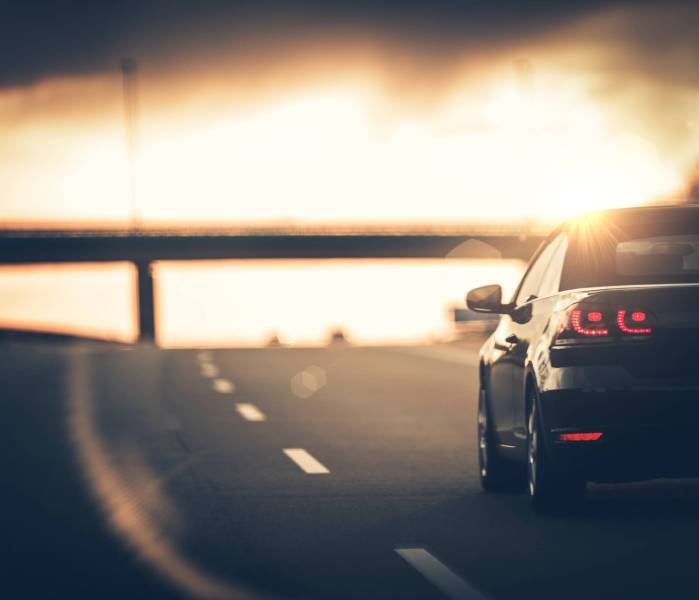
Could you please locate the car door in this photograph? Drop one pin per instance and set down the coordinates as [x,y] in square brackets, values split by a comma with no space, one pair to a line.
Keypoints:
[499,385]
[500,388]
[533,306]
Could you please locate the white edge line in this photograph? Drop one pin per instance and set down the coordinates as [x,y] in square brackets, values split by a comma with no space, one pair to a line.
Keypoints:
[451,355]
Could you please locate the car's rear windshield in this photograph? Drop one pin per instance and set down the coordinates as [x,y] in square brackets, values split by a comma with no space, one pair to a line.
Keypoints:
[650,248]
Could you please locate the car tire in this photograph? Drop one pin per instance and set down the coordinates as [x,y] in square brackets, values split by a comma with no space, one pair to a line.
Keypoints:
[550,490]
[497,474]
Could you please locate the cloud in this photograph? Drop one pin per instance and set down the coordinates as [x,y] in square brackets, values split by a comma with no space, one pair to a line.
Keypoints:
[644,66]
[607,93]
[79,37]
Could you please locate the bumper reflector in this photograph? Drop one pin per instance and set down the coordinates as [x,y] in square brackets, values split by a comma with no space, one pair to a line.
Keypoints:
[591,436]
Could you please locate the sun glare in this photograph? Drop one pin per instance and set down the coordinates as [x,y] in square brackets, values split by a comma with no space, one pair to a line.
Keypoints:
[345,153]
[328,155]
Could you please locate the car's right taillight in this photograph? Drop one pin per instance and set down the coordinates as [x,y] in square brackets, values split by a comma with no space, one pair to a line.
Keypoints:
[634,322]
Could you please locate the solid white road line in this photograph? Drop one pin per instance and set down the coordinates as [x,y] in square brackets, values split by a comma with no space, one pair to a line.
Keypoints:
[223,386]
[250,412]
[439,574]
[304,460]
[209,369]
[444,353]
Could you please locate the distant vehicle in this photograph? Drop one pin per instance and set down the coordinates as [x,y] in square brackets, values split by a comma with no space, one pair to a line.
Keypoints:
[592,373]
[337,336]
[470,323]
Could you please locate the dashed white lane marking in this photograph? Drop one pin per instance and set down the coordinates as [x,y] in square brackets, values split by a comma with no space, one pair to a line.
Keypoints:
[305,461]
[209,369]
[223,386]
[204,356]
[250,412]
[439,574]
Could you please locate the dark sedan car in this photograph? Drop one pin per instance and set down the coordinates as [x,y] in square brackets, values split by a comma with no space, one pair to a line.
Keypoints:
[593,372]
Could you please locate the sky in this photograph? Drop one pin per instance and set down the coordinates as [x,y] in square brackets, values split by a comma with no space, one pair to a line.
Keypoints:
[379,112]
[82,37]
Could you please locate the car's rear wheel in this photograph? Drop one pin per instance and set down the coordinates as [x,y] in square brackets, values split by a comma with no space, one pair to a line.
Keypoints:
[496,473]
[550,490]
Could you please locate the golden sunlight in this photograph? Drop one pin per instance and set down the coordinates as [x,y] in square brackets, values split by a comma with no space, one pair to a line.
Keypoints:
[335,152]
[342,154]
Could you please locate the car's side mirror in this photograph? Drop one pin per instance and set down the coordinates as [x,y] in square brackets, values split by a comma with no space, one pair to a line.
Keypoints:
[487,299]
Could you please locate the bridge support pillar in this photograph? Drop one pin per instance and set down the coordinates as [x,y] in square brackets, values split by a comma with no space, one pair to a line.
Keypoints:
[146,302]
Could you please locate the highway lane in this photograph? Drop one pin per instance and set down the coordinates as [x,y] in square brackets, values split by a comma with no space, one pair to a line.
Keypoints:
[135,471]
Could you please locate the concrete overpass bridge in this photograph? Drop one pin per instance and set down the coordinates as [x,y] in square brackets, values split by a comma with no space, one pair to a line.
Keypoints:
[142,247]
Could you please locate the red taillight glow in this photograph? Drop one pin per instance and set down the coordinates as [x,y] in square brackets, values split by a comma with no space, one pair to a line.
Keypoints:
[591,436]
[595,317]
[584,323]
[637,316]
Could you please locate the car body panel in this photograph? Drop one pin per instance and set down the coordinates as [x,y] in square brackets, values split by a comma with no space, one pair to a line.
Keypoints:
[641,393]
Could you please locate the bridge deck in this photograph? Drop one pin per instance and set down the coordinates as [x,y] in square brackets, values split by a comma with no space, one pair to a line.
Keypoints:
[144,247]
[32,246]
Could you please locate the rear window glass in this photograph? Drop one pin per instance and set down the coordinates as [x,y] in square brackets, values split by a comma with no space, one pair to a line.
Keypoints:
[662,255]
[633,249]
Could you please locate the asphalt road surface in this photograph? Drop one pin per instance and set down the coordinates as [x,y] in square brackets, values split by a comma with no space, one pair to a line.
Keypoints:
[295,473]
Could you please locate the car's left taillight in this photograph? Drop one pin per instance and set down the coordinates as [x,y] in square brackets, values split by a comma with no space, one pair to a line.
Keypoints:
[582,323]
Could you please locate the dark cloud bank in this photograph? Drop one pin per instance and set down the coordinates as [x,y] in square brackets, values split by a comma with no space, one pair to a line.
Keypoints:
[76,37]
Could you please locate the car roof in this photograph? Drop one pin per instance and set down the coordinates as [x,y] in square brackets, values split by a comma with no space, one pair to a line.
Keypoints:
[640,214]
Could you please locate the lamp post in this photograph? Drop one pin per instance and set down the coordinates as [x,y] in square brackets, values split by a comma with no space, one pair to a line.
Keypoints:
[129,70]
[145,286]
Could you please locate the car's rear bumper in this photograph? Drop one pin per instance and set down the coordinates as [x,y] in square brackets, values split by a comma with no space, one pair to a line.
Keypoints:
[645,433]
